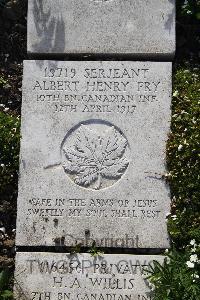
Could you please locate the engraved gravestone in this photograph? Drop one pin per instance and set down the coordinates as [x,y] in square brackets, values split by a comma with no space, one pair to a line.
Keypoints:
[56,276]
[142,28]
[93,154]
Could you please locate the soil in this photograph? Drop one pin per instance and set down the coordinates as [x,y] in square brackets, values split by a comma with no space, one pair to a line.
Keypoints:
[12,53]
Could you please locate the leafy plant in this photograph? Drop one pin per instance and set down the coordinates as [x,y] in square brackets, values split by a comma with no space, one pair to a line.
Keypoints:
[9,154]
[5,293]
[189,8]
[3,81]
[178,277]
[183,157]
[94,251]
[94,157]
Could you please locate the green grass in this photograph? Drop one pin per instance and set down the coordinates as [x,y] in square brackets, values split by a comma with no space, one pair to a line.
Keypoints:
[5,278]
[9,155]
[179,277]
[183,157]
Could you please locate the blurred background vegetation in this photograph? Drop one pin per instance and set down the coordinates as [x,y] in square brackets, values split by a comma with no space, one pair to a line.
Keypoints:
[183,148]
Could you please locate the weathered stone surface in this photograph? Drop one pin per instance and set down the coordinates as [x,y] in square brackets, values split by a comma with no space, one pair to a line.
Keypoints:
[56,276]
[141,28]
[93,154]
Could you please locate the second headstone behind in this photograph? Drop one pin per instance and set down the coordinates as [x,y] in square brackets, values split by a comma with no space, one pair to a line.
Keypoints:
[140,28]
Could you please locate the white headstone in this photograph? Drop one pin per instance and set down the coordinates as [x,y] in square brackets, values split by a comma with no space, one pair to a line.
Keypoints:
[56,276]
[93,154]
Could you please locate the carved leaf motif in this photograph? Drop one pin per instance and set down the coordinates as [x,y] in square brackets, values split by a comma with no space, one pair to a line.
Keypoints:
[116,169]
[93,156]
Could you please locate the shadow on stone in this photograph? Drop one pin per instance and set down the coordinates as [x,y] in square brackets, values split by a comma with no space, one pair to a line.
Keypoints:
[50,30]
[169,24]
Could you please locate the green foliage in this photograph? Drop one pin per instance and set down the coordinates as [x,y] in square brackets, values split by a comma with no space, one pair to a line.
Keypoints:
[188,8]
[3,81]
[94,251]
[5,293]
[9,154]
[183,157]
[178,278]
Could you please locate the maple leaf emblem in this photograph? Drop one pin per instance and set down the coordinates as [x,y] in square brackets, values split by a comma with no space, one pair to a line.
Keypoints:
[94,157]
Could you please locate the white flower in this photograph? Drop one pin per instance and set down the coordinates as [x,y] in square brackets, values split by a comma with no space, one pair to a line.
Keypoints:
[2,165]
[193,258]
[192,242]
[180,147]
[190,264]
[196,276]
[193,249]
[3,230]
[6,109]
[168,214]
[193,121]
[175,94]
[167,251]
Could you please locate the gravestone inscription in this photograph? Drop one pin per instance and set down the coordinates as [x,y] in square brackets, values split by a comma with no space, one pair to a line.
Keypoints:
[56,276]
[93,154]
[144,28]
